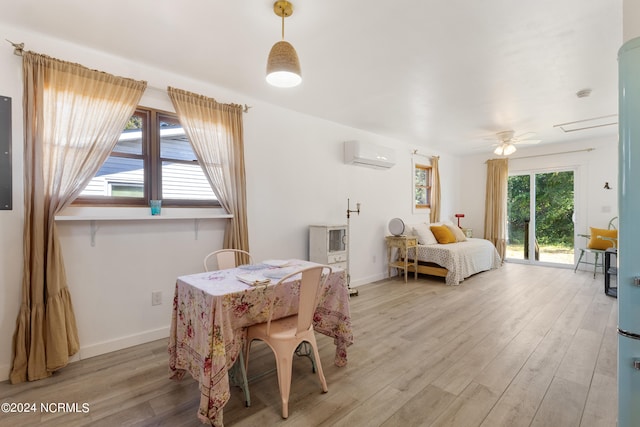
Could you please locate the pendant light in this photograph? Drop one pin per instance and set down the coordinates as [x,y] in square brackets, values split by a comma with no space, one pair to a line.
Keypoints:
[283,66]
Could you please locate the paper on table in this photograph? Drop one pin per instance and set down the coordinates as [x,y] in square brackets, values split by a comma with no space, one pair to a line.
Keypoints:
[252,279]
[250,267]
[278,273]
[276,262]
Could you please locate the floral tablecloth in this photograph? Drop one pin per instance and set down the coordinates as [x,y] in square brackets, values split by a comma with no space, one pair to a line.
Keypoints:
[212,309]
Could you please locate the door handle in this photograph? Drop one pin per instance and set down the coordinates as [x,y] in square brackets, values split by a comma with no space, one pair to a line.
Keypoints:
[636,364]
[636,281]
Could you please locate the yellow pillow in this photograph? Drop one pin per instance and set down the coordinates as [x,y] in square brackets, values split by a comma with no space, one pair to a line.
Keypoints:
[597,243]
[443,234]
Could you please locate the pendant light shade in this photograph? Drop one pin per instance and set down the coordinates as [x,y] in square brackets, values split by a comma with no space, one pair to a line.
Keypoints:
[283,65]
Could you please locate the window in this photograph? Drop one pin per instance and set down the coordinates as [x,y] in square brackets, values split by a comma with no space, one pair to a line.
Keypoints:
[422,186]
[153,159]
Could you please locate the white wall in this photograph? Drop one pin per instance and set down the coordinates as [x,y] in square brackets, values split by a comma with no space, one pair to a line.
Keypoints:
[295,177]
[631,19]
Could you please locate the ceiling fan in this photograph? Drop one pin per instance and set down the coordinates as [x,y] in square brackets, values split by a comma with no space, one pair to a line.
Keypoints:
[507,141]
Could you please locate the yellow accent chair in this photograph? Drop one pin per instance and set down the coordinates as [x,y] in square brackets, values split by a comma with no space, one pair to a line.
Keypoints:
[599,240]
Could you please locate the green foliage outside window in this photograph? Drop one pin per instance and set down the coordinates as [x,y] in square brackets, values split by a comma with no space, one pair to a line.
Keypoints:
[554,208]
[518,207]
[135,122]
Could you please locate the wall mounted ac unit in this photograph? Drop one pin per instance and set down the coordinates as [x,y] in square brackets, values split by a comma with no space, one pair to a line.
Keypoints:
[368,154]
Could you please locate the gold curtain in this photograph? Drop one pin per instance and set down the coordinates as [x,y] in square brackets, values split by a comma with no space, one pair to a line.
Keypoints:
[434,215]
[73,117]
[216,134]
[495,214]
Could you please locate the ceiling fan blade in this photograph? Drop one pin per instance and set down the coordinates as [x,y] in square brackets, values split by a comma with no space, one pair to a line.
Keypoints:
[525,135]
[507,138]
[502,136]
[527,141]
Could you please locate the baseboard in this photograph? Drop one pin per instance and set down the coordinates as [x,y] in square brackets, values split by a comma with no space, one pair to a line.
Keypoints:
[105,347]
[5,371]
[120,343]
[366,280]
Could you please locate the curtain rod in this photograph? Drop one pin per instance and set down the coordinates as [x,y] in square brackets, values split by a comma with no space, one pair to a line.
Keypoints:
[548,154]
[18,48]
[414,152]
[553,154]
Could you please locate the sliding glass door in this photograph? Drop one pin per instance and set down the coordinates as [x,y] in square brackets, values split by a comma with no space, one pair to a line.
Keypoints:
[540,225]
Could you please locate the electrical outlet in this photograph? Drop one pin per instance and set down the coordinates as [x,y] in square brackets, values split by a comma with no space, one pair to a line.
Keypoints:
[156,298]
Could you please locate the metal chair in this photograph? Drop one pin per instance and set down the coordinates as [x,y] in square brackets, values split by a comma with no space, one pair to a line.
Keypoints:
[284,335]
[599,241]
[226,258]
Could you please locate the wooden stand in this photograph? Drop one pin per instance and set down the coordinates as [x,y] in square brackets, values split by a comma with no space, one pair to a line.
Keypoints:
[431,269]
[401,262]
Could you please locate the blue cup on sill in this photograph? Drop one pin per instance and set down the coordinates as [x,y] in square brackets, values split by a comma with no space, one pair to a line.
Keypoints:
[156,205]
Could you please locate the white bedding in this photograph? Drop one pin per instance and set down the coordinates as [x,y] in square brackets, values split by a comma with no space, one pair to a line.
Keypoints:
[461,259]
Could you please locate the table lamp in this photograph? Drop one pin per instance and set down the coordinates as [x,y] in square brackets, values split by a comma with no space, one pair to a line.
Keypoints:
[459,216]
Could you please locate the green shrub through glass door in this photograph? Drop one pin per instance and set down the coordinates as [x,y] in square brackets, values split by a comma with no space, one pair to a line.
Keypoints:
[547,236]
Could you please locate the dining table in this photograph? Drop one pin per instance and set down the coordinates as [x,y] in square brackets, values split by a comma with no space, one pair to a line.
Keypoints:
[211,311]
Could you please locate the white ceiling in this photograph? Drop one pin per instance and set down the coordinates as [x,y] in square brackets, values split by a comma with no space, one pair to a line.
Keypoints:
[441,74]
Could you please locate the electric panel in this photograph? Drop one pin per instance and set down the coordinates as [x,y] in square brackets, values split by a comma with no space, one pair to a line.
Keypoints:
[5,153]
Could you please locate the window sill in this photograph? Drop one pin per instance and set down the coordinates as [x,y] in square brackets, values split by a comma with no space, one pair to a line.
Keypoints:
[138,214]
[93,214]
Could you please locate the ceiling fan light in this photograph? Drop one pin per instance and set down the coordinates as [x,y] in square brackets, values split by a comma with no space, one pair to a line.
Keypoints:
[505,149]
[283,66]
[509,149]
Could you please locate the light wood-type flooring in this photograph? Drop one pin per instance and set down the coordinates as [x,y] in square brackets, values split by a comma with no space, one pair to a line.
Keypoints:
[517,346]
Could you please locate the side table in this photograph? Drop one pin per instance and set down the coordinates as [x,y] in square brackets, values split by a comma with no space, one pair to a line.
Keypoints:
[401,262]
[610,270]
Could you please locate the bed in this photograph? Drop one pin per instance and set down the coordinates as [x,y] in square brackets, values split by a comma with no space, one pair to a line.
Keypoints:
[453,261]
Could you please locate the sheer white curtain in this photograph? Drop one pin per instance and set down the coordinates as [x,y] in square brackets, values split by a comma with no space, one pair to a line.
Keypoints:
[73,117]
[216,133]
